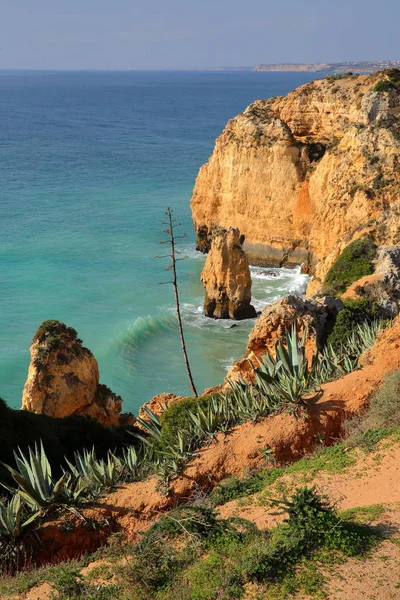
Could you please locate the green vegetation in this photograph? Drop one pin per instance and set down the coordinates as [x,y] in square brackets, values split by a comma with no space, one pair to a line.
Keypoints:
[396,135]
[356,312]
[35,484]
[380,421]
[169,442]
[190,554]
[382,417]
[60,437]
[52,331]
[363,514]
[55,335]
[333,459]
[355,261]
[383,85]
[287,374]
[337,76]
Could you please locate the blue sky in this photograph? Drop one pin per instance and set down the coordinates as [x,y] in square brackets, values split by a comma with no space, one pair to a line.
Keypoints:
[151,34]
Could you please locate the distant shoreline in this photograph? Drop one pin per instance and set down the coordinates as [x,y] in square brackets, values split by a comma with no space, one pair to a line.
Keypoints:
[341,67]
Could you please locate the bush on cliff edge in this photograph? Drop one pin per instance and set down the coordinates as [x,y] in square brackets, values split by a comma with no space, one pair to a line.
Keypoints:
[355,261]
[355,312]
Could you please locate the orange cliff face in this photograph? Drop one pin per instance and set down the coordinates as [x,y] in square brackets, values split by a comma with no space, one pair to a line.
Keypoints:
[303,175]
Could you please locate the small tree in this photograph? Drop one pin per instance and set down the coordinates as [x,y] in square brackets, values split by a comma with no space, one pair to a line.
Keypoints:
[171,225]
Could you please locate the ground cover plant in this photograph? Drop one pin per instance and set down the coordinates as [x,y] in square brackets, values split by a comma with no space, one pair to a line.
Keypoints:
[354,262]
[191,554]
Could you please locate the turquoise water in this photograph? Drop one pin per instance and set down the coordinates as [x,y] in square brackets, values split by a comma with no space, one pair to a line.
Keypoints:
[88,164]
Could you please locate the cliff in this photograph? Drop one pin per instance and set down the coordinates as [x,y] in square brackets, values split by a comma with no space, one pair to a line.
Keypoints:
[226,278]
[63,379]
[303,175]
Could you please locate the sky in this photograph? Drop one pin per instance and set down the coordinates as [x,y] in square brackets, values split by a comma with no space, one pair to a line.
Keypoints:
[167,34]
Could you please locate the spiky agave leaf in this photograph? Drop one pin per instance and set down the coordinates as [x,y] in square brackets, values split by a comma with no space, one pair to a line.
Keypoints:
[34,481]
[13,517]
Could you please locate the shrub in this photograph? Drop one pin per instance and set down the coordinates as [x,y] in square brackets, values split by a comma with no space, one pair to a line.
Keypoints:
[355,312]
[336,76]
[176,418]
[355,261]
[384,85]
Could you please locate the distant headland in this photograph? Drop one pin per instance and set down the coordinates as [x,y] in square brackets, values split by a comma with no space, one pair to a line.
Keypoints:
[340,67]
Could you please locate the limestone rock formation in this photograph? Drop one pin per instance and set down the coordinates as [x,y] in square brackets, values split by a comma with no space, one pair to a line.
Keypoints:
[315,316]
[158,404]
[226,278]
[63,379]
[303,175]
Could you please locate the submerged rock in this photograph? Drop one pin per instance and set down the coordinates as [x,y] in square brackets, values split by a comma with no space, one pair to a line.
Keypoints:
[63,379]
[226,278]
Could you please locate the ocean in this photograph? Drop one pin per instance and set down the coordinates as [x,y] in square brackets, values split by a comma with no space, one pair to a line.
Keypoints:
[89,161]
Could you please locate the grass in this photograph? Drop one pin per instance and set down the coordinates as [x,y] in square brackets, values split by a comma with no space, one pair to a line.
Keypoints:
[193,555]
[334,459]
[382,417]
[383,85]
[355,261]
[26,580]
[190,553]
[363,514]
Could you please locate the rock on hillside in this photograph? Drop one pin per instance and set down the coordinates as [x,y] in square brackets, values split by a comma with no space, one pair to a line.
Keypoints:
[63,379]
[226,278]
[317,317]
[303,175]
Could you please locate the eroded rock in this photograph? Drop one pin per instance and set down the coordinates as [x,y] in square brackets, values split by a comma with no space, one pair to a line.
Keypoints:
[226,278]
[63,379]
[317,317]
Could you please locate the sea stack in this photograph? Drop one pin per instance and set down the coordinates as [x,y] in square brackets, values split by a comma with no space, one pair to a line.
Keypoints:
[63,379]
[226,278]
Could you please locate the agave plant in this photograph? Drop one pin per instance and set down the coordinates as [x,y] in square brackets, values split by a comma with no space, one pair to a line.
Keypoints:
[152,426]
[14,517]
[208,421]
[287,374]
[96,474]
[249,402]
[35,483]
[363,336]
[329,364]
[131,460]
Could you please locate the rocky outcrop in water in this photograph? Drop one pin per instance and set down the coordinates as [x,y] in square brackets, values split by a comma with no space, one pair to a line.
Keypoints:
[317,317]
[63,379]
[303,175]
[226,278]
